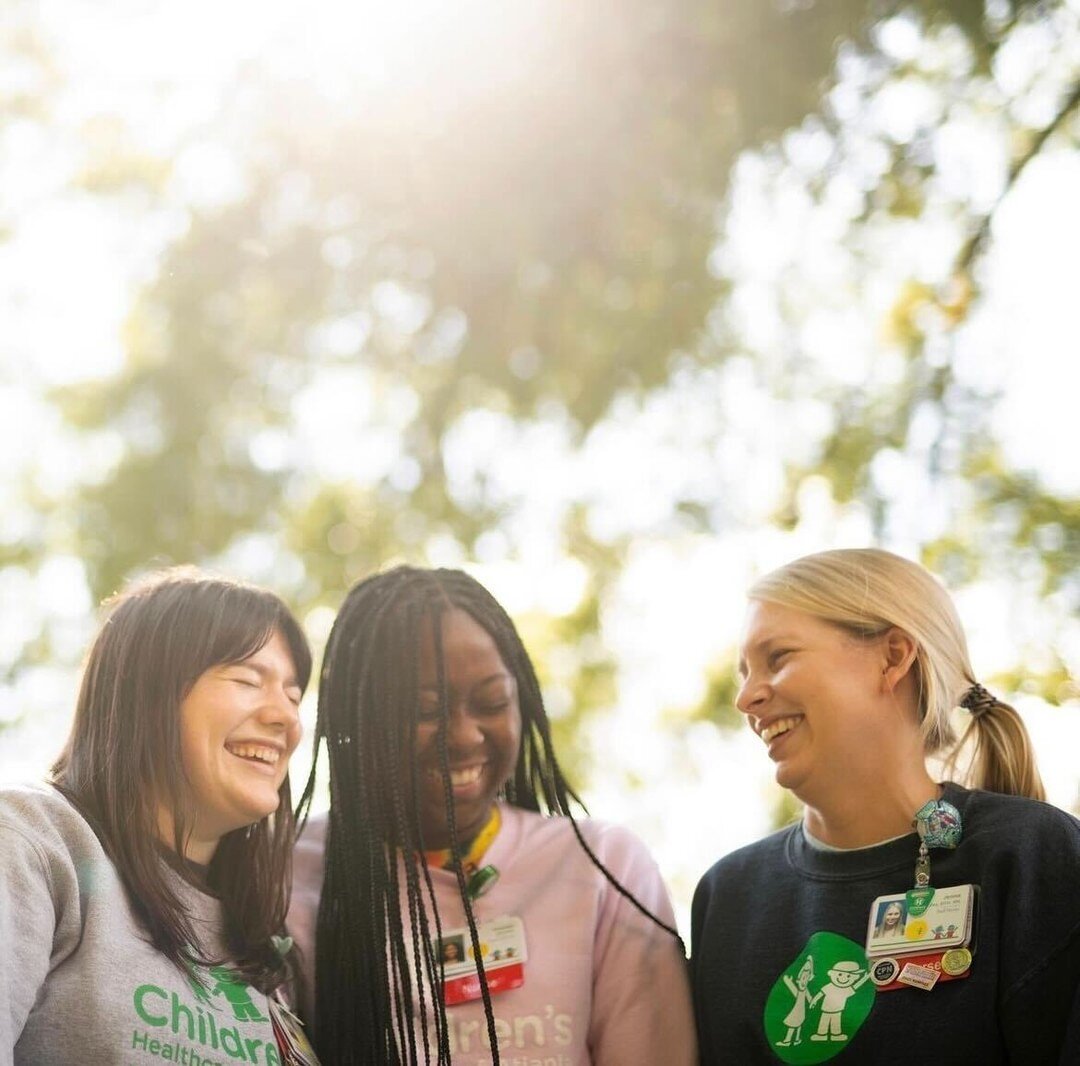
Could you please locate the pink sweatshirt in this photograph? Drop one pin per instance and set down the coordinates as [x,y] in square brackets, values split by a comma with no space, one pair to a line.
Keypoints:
[604,986]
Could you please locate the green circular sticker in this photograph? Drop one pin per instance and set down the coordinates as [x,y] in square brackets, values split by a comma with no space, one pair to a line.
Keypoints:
[820,1001]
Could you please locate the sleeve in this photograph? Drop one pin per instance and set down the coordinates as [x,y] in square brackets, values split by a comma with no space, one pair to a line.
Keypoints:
[1040,1003]
[303,914]
[641,992]
[1070,1048]
[27,925]
[699,911]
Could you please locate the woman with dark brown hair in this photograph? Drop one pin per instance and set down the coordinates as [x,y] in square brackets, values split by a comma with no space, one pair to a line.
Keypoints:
[143,890]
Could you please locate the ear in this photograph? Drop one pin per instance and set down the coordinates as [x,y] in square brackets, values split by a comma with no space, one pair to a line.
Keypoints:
[899,651]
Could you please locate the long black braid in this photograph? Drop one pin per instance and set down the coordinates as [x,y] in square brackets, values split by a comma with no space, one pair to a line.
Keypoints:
[376,960]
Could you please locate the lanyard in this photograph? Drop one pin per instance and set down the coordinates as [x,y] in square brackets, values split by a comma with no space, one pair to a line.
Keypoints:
[478,878]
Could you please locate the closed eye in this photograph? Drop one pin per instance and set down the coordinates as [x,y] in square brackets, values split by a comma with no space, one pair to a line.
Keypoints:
[777,657]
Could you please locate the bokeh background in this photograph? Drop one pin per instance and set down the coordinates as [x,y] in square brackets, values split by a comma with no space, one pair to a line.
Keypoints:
[614,304]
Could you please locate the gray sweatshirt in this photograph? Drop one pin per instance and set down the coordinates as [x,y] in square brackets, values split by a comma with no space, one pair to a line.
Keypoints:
[79,981]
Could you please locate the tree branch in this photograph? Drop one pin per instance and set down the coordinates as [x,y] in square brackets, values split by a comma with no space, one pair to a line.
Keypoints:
[975,243]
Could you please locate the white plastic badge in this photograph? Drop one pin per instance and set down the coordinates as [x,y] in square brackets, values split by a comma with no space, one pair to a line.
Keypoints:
[945,923]
[504,953]
[917,943]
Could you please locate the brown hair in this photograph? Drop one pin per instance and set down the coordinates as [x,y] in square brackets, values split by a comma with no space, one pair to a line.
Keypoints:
[123,758]
[866,592]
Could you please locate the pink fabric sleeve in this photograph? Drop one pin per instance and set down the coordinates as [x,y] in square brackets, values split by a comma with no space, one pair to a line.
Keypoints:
[304,906]
[641,1011]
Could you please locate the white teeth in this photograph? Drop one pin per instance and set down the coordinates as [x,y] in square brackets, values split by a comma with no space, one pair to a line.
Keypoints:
[258,752]
[777,728]
[465,777]
[459,778]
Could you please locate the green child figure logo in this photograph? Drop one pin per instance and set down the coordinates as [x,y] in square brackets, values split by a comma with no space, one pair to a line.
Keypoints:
[238,995]
[235,992]
[826,992]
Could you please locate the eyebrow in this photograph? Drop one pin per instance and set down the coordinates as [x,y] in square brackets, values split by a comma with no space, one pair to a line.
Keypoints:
[501,676]
[762,645]
[291,681]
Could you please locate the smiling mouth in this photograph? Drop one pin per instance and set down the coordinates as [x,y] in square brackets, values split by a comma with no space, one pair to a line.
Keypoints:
[779,727]
[262,754]
[461,778]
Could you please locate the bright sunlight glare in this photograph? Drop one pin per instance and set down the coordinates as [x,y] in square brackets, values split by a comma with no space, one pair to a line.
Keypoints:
[381,51]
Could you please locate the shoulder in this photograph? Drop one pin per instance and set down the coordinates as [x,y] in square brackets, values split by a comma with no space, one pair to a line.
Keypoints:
[45,839]
[762,857]
[42,815]
[611,839]
[625,855]
[609,842]
[1017,824]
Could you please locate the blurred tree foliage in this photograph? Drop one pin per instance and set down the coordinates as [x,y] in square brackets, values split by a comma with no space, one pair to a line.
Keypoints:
[541,250]
[30,81]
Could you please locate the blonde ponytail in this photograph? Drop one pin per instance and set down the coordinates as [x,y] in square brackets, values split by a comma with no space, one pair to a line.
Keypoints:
[1002,759]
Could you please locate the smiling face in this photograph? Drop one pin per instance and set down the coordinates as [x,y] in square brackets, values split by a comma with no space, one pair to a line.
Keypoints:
[483,728]
[891,918]
[811,691]
[844,977]
[238,727]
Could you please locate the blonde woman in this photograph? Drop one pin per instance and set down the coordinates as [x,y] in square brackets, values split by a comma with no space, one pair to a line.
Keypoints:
[851,665]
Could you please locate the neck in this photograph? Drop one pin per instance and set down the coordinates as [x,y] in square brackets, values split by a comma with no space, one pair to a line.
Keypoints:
[472,850]
[196,849]
[868,813]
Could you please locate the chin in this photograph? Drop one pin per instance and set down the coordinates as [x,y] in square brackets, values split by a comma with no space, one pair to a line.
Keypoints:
[256,812]
[791,779]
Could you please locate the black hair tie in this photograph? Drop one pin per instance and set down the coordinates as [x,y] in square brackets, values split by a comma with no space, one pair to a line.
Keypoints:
[977,700]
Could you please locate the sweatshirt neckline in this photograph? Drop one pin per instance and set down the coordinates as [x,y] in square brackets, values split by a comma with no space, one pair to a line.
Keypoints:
[859,863]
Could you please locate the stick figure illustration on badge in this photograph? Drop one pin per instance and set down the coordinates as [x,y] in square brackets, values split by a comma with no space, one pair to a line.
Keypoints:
[845,979]
[804,1001]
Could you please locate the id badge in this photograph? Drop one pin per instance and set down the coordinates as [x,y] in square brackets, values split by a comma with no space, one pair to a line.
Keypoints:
[920,938]
[502,947]
[293,1045]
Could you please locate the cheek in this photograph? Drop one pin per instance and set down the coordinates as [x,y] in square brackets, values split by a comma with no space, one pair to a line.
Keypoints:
[193,753]
[511,744]
[293,739]
[424,740]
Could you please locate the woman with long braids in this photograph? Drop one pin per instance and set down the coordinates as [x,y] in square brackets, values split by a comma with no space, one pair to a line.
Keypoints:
[444,917]
[943,922]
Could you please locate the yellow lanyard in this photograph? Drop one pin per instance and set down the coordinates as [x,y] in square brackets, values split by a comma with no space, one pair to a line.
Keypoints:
[443,859]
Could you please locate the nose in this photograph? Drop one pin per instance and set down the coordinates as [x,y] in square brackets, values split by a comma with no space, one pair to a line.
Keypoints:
[280,710]
[752,695]
[463,732]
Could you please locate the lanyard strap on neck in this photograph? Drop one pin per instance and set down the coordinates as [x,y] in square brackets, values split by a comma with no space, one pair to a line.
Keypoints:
[443,858]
